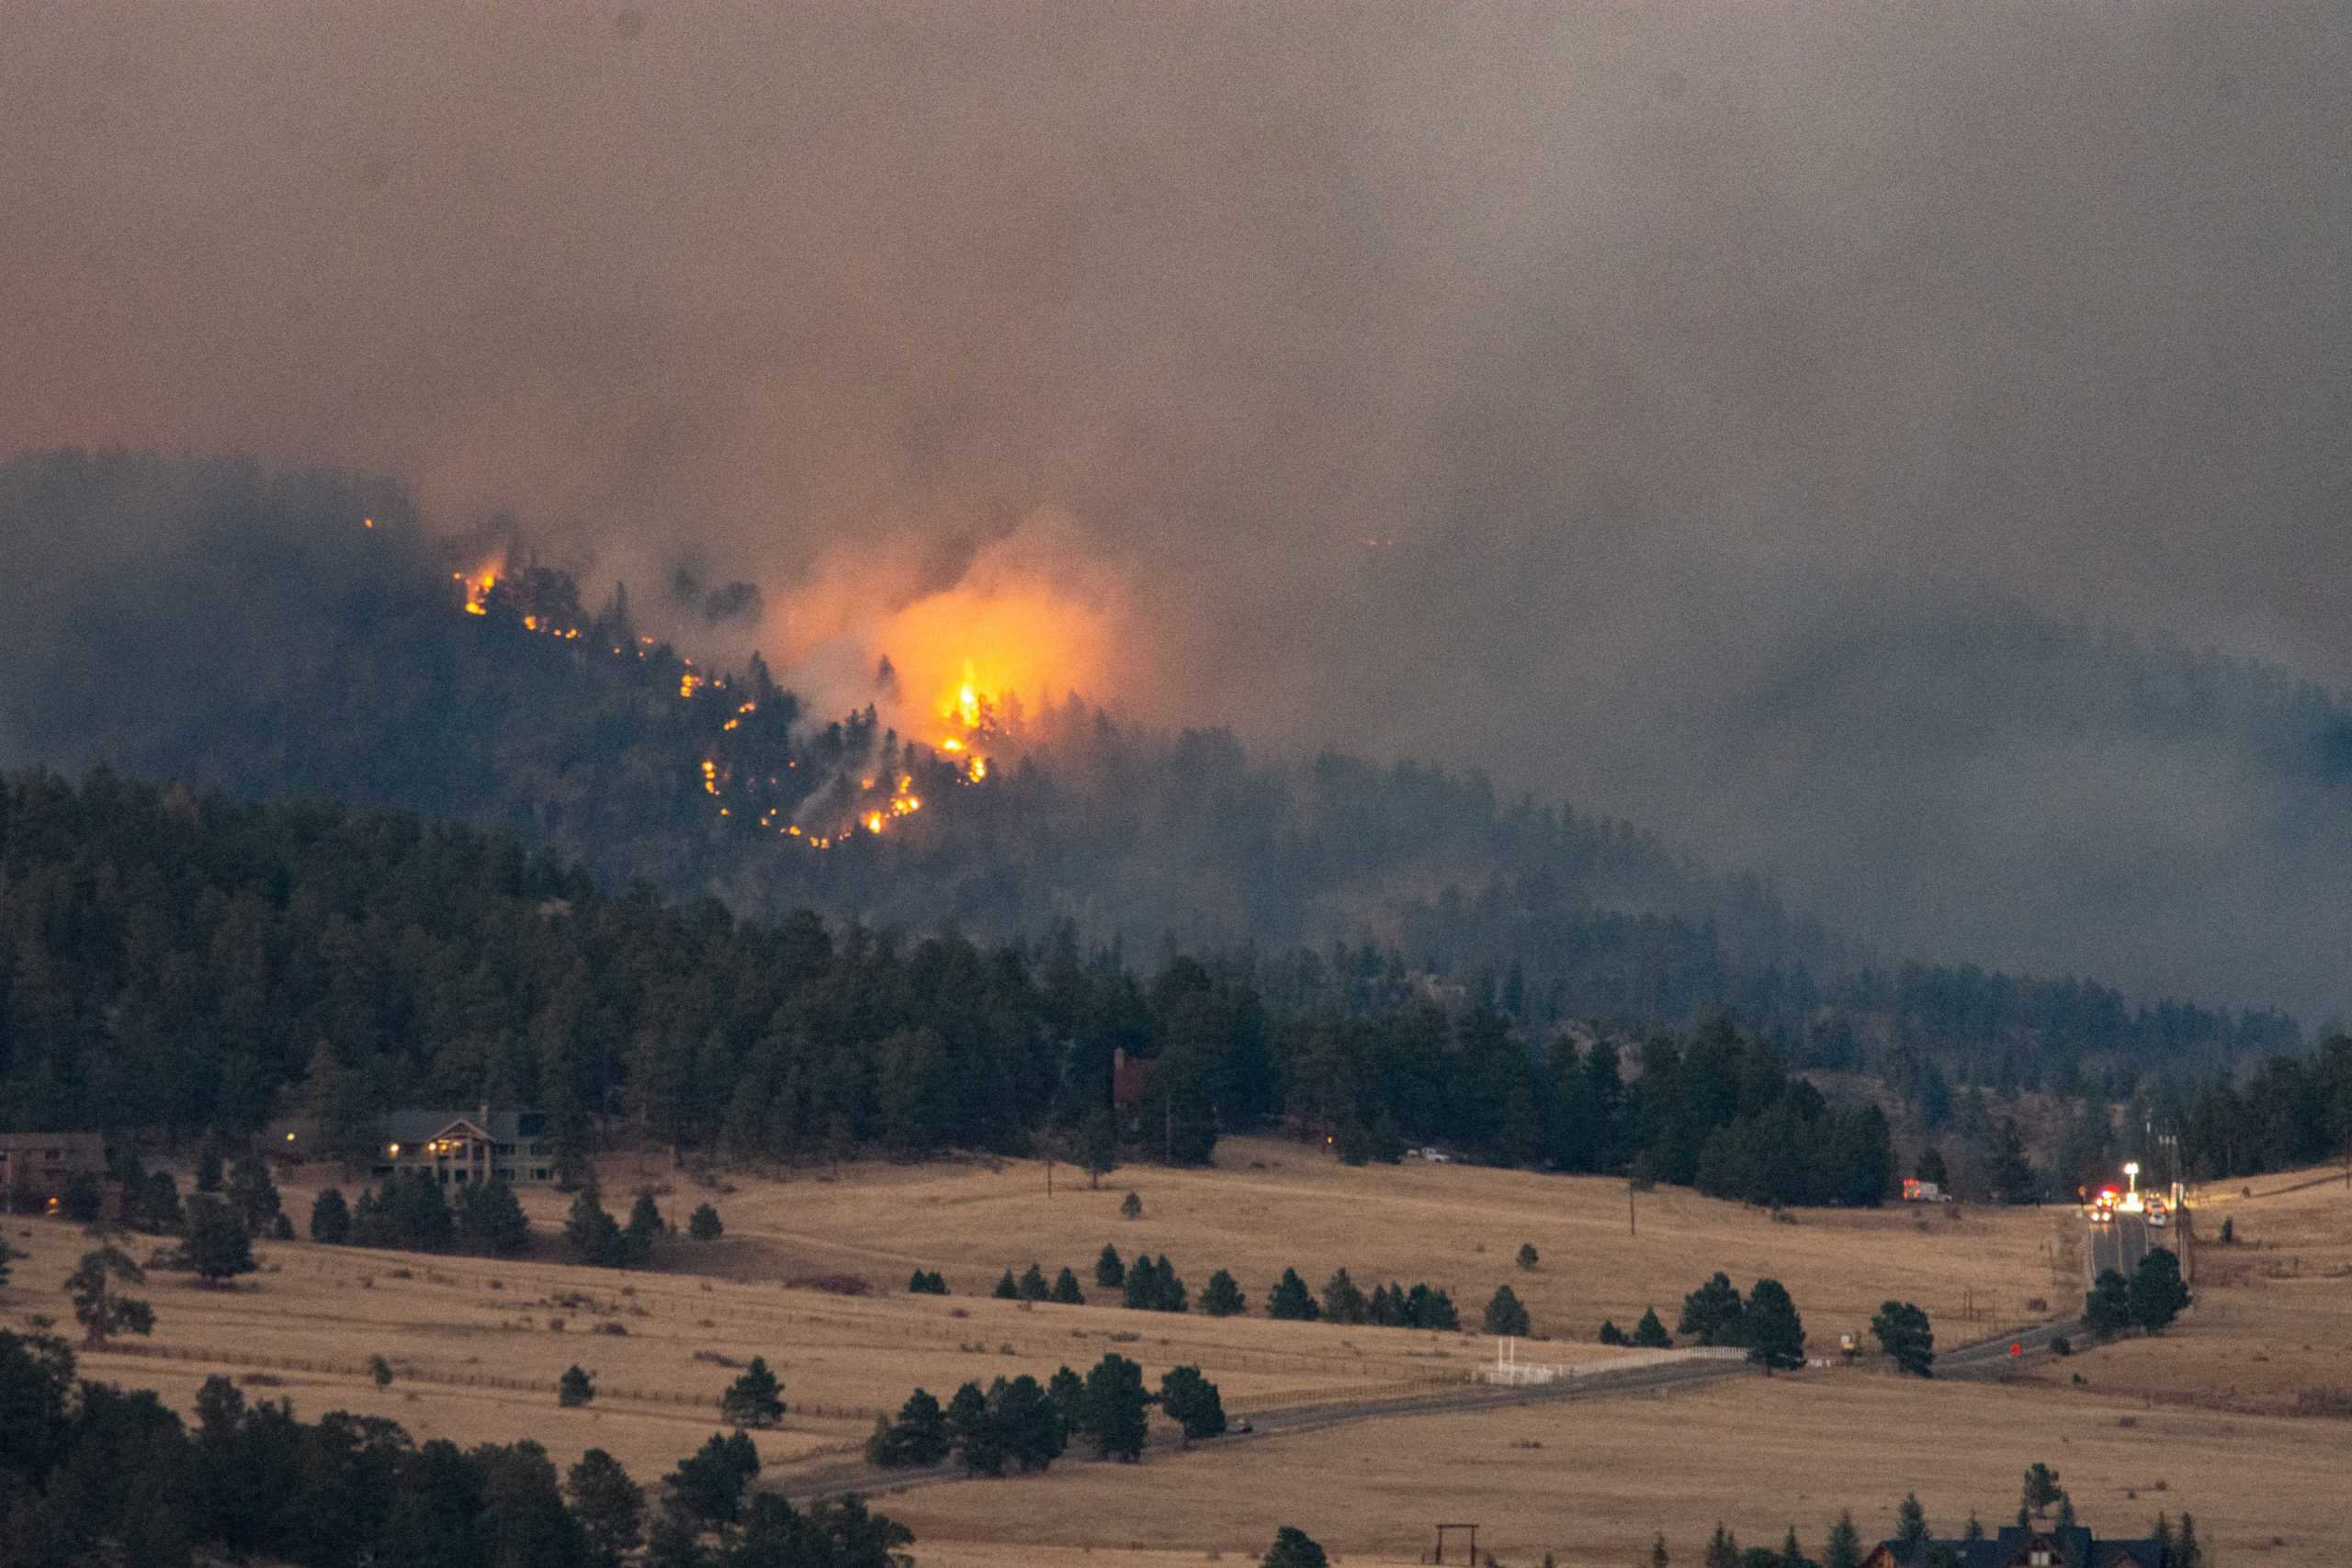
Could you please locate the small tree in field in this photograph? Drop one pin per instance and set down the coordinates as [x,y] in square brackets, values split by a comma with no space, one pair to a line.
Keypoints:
[219,1249]
[1222,1297]
[1903,1331]
[1191,1402]
[1131,1207]
[1065,1291]
[644,1228]
[379,1372]
[102,1312]
[705,1225]
[1033,1286]
[1006,1289]
[330,1218]
[2040,1492]
[575,1388]
[1844,1547]
[1506,1315]
[591,1233]
[1609,1333]
[755,1399]
[1650,1333]
[1527,1259]
[1294,1548]
[1109,1272]
[2157,1294]
[1290,1300]
[1775,1333]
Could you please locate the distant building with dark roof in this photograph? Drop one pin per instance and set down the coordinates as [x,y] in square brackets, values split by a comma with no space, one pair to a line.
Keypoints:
[465,1149]
[35,1166]
[2035,1545]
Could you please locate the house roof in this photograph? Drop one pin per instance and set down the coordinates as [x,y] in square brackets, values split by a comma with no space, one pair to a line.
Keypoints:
[418,1126]
[2073,1544]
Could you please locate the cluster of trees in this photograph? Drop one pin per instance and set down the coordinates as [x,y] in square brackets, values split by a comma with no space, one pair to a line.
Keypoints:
[1649,1334]
[1766,1325]
[596,1238]
[1904,1333]
[2149,1299]
[89,1474]
[1025,1424]
[411,1213]
[1343,1300]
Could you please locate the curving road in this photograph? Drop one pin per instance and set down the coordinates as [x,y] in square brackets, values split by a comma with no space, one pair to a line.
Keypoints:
[2118,1245]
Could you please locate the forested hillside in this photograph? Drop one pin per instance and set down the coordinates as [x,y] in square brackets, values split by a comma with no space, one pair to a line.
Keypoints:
[192,964]
[306,636]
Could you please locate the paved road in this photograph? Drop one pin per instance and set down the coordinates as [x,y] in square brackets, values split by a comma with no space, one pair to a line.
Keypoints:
[2118,1245]
[1442,1399]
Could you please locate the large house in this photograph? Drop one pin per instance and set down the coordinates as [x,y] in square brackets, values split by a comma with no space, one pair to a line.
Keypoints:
[2036,1545]
[35,1166]
[462,1149]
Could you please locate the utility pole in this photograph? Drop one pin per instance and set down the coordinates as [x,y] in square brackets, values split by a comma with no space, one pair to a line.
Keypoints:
[1629,1207]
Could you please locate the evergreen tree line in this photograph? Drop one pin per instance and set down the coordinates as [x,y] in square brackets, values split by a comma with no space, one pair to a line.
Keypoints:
[1022,1423]
[2041,1501]
[89,1474]
[189,965]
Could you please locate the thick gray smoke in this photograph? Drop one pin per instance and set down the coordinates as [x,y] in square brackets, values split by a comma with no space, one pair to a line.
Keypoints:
[1605,395]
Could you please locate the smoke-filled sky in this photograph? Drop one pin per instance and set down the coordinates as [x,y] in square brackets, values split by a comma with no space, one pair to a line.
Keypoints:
[1530,386]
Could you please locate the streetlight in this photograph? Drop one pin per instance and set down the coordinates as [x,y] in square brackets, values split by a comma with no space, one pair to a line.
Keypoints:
[2131,1174]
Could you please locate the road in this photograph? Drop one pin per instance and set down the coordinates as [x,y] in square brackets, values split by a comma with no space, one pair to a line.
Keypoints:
[2118,1245]
[1443,1400]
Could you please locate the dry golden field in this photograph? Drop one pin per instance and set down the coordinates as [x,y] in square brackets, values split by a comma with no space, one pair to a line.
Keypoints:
[476,1348]
[1593,1483]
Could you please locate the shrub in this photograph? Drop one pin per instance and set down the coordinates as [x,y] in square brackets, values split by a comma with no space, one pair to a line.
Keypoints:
[575,1388]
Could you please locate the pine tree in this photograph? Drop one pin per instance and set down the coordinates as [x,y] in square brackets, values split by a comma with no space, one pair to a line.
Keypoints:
[1658,1557]
[1527,1255]
[491,1220]
[1609,1333]
[1222,1297]
[1792,1554]
[218,1247]
[1190,1400]
[1290,1302]
[1843,1549]
[1774,1332]
[1714,1314]
[704,1224]
[1505,1316]
[1131,1207]
[575,1388]
[1168,1292]
[1910,1522]
[644,1228]
[2157,1294]
[1722,1549]
[252,1197]
[918,1437]
[2040,1491]
[1033,1286]
[1650,1333]
[755,1399]
[610,1505]
[1342,1302]
[1028,1422]
[591,1233]
[1294,1548]
[1065,1291]
[1141,1292]
[330,1218]
[1109,1272]
[2107,1309]
[1007,1288]
[973,1433]
[2191,1551]
[1903,1332]
[1114,1408]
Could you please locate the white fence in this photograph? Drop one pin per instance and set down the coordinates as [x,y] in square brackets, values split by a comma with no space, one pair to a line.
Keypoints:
[1510,1370]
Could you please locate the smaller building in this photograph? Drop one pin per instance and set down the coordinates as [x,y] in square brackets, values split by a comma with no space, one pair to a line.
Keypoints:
[35,1166]
[466,1148]
[2035,1545]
